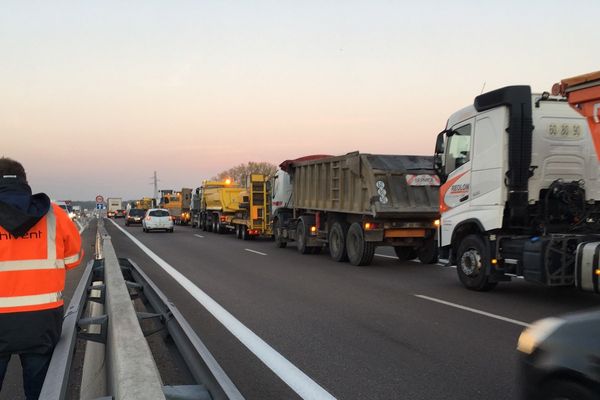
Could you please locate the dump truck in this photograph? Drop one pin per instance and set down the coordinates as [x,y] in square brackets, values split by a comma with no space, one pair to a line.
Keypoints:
[178,204]
[356,202]
[520,192]
[253,220]
[214,205]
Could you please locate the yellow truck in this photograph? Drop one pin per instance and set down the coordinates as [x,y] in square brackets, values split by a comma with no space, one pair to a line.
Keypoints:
[178,204]
[214,205]
[144,203]
[253,218]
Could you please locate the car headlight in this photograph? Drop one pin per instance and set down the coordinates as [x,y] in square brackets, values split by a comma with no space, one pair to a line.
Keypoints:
[532,336]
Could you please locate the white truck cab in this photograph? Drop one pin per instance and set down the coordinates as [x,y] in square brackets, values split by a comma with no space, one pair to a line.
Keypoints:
[521,188]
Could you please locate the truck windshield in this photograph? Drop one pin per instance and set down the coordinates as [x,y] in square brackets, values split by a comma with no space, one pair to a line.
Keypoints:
[458,148]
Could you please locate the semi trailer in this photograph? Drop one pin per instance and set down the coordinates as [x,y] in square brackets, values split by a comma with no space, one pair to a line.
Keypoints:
[520,192]
[214,205]
[253,220]
[356,202]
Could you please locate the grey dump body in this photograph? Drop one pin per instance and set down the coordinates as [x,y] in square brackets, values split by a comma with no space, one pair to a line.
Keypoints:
[367,184]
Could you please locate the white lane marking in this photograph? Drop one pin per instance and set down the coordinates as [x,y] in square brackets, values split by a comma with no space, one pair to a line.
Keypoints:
[257,252]
[385,256]
[200,236]
[297,380]
[473,310]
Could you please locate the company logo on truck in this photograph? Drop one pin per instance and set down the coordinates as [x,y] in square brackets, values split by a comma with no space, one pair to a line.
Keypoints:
[455,191]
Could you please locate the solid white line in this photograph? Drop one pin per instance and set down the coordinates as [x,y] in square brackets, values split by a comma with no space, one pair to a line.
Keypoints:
[257,252]
[297,380]
[200,236]
[473,310]
[383,255]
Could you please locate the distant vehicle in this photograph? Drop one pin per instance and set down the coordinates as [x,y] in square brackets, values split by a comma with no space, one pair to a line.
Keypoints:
[178,204]
[157,219]
[66,205]
[560,358]
[114,204]
[135,216]
[120,213]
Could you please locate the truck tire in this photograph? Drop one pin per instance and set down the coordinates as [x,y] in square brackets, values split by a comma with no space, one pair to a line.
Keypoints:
[244,233]
[473,264]
[360,253]
[405,253]
[279,240]
[428,252]
[337,242]
[301,238]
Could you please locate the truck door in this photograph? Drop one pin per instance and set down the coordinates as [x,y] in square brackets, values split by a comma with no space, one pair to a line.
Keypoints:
[455,192]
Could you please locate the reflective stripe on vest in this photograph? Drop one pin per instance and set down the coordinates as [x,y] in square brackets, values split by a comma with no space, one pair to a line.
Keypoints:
[49,263]
[33,300]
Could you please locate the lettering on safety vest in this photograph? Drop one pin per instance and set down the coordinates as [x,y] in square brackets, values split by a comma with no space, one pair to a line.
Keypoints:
[28,235]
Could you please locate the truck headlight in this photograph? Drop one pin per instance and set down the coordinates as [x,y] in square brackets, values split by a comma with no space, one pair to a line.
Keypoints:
[532,336]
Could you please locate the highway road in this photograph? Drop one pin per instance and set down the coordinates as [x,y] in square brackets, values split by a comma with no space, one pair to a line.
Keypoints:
[285,325]
[391,330]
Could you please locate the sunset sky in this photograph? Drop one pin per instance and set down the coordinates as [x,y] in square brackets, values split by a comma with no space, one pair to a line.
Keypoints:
[95,96]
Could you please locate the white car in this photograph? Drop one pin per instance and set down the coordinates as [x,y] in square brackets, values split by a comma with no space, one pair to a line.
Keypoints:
[157,219]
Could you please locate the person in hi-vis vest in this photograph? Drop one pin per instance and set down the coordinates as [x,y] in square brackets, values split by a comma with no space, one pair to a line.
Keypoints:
[38,244]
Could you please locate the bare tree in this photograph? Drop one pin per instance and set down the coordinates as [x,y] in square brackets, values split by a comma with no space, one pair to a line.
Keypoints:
[240,173]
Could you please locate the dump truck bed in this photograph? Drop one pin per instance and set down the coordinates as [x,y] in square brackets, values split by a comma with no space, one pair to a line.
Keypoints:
[382,186]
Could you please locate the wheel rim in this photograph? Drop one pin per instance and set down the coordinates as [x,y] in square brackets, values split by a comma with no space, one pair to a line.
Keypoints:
[470,262]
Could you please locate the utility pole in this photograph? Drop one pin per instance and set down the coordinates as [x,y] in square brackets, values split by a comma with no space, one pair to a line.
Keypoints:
[155,182]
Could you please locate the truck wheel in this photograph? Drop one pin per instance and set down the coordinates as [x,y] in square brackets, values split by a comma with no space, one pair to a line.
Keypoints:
[279,240]
[428,252]
[244,233]
[301,238]
[405,253]
[360,253]
[473,264]
[337,242]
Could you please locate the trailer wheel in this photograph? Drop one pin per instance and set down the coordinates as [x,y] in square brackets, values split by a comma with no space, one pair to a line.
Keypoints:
[279,240]
[405,253]
[428,252]
[301,238]
[244,233]
[473,264]
[360,252]
[337,242]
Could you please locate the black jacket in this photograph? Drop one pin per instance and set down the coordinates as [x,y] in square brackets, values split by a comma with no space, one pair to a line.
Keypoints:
[34,331]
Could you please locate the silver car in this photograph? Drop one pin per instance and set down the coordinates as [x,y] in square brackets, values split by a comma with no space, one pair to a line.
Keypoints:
[157,219]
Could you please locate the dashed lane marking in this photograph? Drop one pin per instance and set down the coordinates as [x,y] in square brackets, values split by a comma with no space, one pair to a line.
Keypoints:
[385,256]
[297,380]
[256,252]
[200,236]
[473,310]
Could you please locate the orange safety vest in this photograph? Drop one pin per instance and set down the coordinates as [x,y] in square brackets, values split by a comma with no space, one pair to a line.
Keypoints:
[33,267]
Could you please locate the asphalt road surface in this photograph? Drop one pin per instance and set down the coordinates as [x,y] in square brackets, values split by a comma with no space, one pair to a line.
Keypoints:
[392,330]
[297,325]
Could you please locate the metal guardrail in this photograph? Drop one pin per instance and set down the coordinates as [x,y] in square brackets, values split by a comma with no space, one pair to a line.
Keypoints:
[56,382]
[202,365]
[131,370]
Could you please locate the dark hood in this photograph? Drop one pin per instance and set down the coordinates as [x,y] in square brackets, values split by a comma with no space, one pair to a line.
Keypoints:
[19,209]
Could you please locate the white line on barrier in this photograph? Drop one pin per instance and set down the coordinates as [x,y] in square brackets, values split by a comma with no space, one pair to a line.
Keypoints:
[200,236]
[297,380]
[473,310]
[257,252]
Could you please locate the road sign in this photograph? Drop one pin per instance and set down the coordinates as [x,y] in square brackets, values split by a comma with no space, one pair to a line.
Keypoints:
[99,199]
